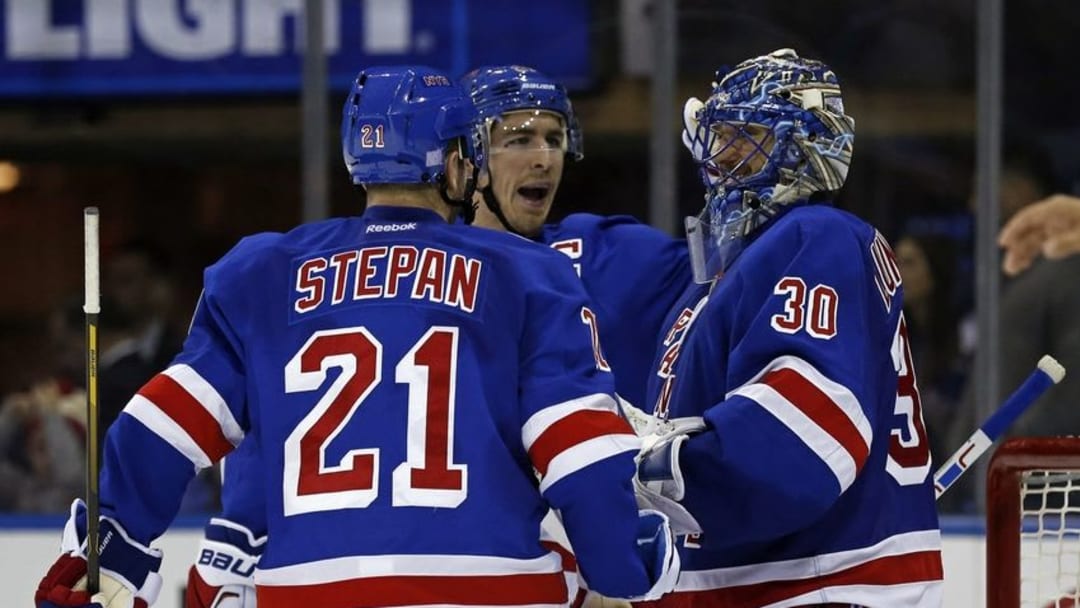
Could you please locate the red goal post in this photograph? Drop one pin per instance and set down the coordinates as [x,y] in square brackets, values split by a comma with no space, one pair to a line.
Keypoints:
[1033,524]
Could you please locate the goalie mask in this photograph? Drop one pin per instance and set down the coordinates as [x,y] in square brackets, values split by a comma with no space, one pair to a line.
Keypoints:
[772,134]
[399,122]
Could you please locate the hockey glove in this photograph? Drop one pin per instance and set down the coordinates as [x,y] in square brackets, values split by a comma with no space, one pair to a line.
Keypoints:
[656,546]
[659,482]
[222,576]
[129,571]
[645,424]
[642,423]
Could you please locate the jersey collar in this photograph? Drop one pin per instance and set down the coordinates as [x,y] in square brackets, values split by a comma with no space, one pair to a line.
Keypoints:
[391,213]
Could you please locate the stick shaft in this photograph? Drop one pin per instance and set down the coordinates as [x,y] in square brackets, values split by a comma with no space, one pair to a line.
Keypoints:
[92,307]
[995,426]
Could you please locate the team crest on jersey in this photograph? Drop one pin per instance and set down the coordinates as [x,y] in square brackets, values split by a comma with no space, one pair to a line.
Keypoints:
[672,347]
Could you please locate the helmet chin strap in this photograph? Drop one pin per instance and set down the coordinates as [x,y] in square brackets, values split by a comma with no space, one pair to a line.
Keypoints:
[493,205]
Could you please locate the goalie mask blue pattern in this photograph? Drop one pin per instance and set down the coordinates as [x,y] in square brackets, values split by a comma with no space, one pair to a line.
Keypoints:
[397,123]
[772,134]
[496,90]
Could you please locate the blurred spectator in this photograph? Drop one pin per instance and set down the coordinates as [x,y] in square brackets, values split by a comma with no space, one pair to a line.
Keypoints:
[42,430]
[1050,227]
[41,450]
[137,297]
[927,264]
[1037,317]
[1026,176]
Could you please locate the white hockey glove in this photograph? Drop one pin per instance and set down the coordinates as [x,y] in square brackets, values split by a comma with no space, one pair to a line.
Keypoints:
[659,483]
[645,424]
[222,576]
[129,571]
[642,423]
[656,546]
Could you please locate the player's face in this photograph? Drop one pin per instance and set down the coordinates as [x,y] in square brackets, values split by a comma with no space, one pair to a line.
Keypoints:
[741,150]
[528,149]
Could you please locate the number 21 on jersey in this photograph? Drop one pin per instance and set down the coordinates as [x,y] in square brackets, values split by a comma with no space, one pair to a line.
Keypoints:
[429,476]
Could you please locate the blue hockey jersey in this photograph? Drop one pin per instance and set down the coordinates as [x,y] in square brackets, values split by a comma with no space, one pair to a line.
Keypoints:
[634,274]
[401,380]
[812,480]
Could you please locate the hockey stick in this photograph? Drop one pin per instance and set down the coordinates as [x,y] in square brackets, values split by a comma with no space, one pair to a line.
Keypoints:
[92,307]
[1048,373]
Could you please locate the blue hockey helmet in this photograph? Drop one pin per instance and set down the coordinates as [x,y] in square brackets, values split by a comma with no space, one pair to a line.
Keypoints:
[496,90]
[772,134]
[398,122]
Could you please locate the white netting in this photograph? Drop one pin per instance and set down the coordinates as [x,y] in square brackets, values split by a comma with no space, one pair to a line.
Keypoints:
[1050,539]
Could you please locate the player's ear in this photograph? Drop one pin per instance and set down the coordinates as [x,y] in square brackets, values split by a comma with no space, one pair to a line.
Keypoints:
[483,180]
[457,170]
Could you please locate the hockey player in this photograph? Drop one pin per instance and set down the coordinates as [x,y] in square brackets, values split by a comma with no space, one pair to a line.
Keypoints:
[353,352]
[807,466]
[532,129]
[633,272]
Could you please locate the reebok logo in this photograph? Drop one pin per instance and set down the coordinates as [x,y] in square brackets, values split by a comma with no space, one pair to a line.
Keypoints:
[390,227]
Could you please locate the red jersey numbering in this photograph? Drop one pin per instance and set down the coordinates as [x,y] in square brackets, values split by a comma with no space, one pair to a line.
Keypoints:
[428,477]
[813,310]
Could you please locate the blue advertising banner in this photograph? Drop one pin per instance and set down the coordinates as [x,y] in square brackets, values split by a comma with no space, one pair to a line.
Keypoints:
[165,47]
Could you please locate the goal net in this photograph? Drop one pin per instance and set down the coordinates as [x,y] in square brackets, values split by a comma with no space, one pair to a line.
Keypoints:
[1033,524]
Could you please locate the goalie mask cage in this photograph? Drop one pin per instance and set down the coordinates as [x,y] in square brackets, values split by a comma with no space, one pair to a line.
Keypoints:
[1033,524]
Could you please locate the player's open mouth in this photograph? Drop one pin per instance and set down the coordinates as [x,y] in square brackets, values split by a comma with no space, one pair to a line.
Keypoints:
[534,193]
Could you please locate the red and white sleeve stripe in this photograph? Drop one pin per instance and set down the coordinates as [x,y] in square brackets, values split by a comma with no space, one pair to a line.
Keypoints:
[185,410]
[825,415]
[569,436]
